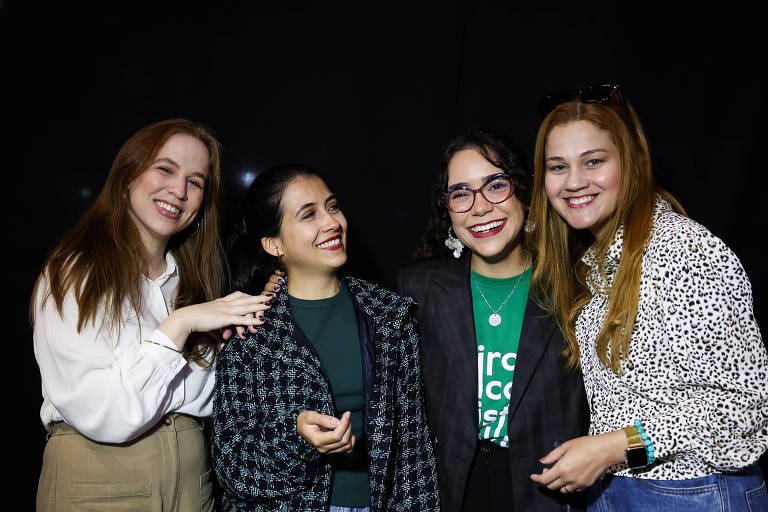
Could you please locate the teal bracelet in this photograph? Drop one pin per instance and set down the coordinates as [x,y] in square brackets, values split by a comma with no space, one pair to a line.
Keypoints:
[650,450]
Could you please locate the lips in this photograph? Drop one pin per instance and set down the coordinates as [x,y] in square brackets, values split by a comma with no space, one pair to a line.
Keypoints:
[167,209]
[487,228]
[580,201]
[331,244]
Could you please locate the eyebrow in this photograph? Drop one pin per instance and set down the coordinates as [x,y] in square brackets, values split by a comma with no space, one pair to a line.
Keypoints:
[466,184]
[164,159]
[585,153]
[173,163]
[310,205]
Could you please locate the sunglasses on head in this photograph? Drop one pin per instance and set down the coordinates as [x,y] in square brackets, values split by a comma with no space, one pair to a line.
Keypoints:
[589,94]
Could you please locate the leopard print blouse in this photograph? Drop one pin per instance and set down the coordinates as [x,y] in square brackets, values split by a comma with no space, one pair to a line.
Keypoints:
[697,373]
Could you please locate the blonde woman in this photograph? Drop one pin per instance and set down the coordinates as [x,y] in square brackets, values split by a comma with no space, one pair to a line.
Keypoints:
[659,318]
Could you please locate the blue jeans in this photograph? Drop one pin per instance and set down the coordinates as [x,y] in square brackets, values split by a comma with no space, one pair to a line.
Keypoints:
[733,492]
[334,508]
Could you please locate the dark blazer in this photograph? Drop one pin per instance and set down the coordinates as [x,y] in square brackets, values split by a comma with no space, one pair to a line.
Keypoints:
[264,381]
[548,404]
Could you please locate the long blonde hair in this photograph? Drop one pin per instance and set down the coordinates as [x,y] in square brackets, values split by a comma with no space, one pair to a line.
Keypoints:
[560,277]
[101,259]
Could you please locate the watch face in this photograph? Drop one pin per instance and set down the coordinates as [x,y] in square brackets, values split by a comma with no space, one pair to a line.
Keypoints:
[637,457]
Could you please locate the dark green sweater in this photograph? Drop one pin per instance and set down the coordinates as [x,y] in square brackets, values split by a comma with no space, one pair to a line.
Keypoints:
[331,326]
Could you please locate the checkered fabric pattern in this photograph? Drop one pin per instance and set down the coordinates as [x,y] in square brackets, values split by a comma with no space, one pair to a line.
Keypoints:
[264,381]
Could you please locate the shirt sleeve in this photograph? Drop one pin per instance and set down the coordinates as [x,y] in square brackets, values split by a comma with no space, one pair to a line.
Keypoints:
[109,388]
[257,452]
[415,454]
[715,343]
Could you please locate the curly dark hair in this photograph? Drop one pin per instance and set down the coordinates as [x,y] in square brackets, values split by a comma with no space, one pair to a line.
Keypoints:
[499,152]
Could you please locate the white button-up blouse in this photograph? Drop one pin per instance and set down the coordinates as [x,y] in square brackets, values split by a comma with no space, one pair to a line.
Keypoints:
[697,373]
[113,388]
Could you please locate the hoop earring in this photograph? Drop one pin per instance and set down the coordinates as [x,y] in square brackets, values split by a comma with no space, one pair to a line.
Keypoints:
[197,228]
[454,244]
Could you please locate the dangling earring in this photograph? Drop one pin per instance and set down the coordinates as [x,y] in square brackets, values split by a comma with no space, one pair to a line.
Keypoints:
[454,244]
[529,226]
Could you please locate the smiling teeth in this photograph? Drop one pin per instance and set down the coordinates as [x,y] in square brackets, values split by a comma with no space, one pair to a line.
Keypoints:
[580,200]
[330,243]
[168,207]
[487,227]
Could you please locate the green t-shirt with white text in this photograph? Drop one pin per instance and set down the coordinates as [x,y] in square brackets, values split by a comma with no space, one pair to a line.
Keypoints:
[497,347]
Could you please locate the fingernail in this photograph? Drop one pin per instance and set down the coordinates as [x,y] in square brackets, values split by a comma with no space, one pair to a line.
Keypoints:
[277,287]
[281,280]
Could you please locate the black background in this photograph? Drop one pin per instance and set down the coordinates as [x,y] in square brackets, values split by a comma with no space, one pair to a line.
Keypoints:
[369,93]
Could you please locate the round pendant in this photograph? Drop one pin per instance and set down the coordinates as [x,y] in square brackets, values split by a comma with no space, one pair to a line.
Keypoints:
[494,319]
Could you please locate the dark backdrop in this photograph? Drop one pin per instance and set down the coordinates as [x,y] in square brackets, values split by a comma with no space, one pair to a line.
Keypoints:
[368,94]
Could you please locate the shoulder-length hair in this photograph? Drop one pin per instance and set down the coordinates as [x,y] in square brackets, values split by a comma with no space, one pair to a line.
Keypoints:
[500,153]
[101,259]
[560,277]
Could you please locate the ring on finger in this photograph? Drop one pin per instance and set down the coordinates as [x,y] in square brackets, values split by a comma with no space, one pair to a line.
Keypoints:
[564,489]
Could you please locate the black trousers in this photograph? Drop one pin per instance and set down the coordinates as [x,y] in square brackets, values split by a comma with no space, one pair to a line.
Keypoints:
[489,481]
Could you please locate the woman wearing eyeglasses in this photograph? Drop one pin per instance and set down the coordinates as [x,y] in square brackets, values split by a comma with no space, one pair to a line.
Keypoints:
[498,394]
[659,318]
[322,409]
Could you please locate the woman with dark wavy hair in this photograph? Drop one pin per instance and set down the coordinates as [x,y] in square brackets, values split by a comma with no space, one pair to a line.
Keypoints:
[497,389]
[122,312]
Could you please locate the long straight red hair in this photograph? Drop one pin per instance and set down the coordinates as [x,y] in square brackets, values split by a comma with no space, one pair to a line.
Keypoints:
[101,259]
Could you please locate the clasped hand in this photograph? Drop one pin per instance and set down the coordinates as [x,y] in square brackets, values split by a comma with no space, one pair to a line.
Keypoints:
[326,433]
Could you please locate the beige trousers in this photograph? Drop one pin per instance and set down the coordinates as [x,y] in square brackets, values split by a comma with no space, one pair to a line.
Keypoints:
[165,469]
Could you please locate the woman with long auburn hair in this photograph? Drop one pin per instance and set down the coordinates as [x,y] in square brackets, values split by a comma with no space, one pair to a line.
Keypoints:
[657,313]
[122,312]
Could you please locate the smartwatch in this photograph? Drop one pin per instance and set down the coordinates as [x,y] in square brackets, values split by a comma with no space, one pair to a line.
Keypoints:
[636,456]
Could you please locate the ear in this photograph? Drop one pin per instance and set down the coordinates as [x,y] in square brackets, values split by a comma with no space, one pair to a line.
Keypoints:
[272,246]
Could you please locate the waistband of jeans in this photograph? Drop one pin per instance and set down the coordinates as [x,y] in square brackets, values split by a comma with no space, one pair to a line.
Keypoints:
[175,422]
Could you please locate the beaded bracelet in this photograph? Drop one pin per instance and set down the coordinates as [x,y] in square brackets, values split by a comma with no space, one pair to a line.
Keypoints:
[649,448]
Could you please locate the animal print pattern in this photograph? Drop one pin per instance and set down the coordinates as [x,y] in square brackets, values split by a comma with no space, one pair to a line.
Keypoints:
[697,369]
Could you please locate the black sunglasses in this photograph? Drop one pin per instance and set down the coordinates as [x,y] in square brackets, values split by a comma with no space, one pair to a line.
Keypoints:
[589,94]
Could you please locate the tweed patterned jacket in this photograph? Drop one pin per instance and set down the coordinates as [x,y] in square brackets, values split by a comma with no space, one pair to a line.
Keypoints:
[264,381]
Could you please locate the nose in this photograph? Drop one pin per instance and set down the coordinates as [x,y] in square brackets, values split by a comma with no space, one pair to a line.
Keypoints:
[575,180]
[481,206]
[330,222]
[178,187]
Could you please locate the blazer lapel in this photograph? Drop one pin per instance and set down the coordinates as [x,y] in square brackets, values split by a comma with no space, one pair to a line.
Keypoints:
[535,337]
[452,309]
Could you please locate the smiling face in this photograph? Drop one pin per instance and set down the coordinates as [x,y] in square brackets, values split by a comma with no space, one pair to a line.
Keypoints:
[166,197]
[582,177]
[313,233]
[490,231]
